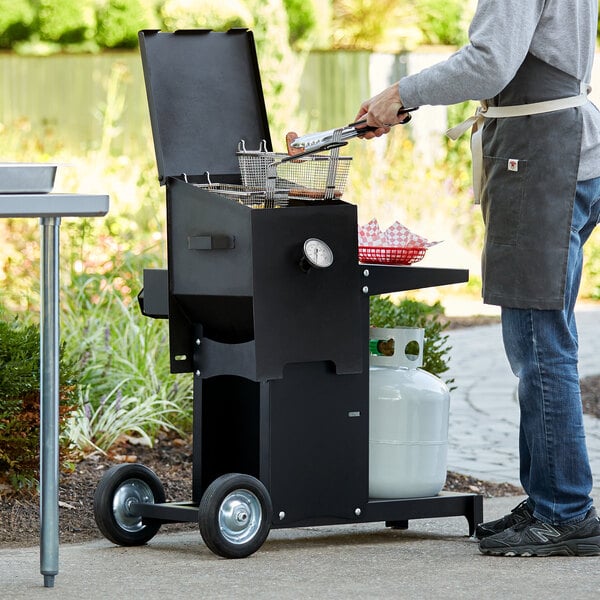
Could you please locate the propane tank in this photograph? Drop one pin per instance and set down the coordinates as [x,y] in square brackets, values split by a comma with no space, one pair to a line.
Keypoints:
[408,423]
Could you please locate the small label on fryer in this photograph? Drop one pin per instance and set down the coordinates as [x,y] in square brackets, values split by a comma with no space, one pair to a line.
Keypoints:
[354,413]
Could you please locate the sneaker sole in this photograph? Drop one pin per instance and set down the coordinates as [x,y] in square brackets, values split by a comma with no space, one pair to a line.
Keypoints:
[584,547]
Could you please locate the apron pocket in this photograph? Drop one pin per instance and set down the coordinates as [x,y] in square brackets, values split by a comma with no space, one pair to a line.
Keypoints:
[502,193]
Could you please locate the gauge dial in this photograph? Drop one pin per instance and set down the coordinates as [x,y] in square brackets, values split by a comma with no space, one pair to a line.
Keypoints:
[318,253]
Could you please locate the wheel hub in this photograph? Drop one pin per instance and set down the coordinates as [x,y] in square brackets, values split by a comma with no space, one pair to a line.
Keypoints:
[132,491]
[240,516]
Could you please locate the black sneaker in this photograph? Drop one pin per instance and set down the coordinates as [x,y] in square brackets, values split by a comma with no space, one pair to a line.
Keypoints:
[535,538]
[518,515]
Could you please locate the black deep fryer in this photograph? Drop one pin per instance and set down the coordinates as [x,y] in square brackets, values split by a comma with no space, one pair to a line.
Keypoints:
[278,347]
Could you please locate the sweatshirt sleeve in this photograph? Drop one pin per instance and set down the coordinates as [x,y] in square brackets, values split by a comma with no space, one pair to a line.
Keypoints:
[499,38]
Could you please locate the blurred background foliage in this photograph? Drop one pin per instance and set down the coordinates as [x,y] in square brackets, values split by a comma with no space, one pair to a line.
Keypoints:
[118,357]
[46,26]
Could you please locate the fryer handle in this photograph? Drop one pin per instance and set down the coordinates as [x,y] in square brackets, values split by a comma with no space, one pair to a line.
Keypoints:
[211,242]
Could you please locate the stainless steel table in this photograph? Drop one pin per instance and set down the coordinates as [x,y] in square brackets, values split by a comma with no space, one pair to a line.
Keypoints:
[49,208]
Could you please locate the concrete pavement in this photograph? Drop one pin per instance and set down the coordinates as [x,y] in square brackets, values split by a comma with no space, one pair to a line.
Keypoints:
[433,559]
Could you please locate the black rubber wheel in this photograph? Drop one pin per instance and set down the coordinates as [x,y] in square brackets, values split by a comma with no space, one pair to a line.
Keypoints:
[121,486]
[235,515]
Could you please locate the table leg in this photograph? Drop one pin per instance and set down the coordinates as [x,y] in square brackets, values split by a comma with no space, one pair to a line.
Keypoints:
[49,390]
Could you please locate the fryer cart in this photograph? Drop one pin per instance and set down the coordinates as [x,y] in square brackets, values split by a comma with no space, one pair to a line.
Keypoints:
[268,308]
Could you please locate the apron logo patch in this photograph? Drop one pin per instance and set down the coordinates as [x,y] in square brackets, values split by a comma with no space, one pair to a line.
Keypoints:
[513,164]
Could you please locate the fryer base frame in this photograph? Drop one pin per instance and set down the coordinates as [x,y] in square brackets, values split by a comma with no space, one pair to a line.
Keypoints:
[395,512]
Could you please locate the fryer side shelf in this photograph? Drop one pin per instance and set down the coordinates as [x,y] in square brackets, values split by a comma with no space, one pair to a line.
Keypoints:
[387,279]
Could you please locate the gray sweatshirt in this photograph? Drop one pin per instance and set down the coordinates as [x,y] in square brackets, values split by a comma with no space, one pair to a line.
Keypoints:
[562,33]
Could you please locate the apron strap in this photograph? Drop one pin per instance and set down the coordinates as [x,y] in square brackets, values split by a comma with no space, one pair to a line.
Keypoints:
[475,123]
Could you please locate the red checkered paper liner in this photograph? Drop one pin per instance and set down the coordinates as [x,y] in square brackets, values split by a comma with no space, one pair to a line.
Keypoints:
[370,234]
[396,245]
[398,236]
[395,236]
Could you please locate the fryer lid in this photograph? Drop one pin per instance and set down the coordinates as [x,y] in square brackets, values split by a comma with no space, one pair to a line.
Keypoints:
[204,95]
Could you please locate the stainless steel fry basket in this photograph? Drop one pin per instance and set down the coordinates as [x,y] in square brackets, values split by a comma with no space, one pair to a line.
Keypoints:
[303,177]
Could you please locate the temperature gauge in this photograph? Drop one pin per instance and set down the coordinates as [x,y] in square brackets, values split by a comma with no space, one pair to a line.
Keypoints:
[317,254]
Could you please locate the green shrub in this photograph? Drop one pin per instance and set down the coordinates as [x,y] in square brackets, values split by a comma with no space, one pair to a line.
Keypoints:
[413,313]
[119,22]
[365,25]
[442,21]
[66,21]
[302,19]
[209,14]
[16,17]
[590,282]
[20,402]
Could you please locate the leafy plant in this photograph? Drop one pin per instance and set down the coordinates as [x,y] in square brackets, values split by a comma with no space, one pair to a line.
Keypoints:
[413,313]
[124,385]
[211,14]
[365,24]
[119,22]
[302,19]
[16,17]
[100,427]
[20,402]
[66,21]
[442,21]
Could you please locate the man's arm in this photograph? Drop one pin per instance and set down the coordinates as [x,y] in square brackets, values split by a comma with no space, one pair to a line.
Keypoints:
[500,36]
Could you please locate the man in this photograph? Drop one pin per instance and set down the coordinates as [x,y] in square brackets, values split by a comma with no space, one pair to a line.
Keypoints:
[536,158]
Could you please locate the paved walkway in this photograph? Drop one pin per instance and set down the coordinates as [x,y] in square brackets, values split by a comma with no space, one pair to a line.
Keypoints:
[433,559]
[484,415]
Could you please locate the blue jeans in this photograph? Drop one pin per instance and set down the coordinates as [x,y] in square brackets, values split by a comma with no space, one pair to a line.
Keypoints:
[542,346]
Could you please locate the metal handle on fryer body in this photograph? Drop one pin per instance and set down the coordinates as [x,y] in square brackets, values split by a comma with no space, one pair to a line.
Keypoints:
[211,242]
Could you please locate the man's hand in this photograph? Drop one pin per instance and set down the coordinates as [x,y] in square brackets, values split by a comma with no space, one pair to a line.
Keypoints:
[381,111]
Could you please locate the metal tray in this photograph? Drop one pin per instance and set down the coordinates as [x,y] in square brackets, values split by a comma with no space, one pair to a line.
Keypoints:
[26,178]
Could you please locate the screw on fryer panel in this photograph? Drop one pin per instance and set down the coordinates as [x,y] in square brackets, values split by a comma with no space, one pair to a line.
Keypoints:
[281,516]
[365,290]
[197,341]
[358,512]
[366,272]
[198,373]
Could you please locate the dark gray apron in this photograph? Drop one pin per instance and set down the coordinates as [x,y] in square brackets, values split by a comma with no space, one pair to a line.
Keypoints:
[530,167]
